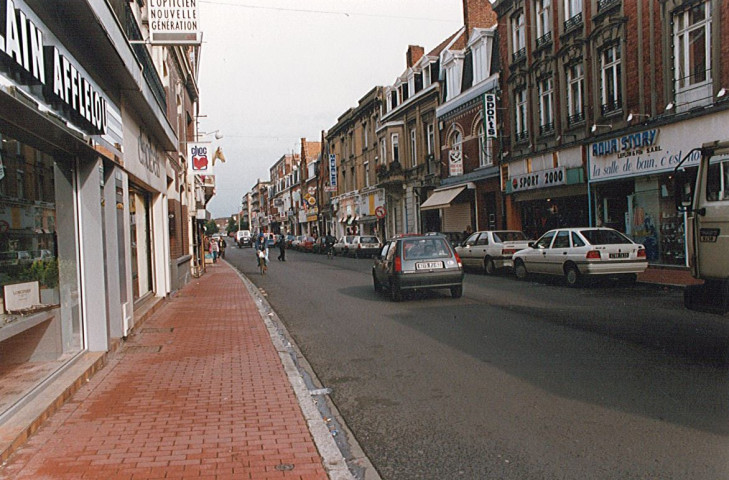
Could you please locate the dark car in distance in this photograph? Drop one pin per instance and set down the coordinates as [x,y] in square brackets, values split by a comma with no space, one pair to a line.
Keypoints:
[416,262]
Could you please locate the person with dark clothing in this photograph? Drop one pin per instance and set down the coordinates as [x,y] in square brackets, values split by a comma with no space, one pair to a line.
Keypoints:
[222,247]
[282,248]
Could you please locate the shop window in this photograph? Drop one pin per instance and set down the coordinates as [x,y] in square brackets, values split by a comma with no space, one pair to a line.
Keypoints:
[40,321]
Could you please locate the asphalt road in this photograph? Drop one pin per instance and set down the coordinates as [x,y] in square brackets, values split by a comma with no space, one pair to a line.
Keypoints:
[516,380]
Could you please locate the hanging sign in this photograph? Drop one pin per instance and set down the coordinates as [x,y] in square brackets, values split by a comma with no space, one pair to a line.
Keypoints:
[489,122]
[333,171]
[455,163]
[174,22]
[198,159]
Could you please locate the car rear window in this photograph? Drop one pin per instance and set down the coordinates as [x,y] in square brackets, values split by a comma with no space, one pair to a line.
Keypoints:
[368,240]
[416,248]
[509,236]
[604,237]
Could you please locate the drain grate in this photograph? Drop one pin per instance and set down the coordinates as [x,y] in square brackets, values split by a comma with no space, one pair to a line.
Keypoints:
[284,467]
[158,330]
[142,348]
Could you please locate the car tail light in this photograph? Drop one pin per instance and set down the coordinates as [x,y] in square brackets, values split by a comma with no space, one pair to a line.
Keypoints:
[641,253]
[593,255]
[398,264]
[458,259]
[508,251]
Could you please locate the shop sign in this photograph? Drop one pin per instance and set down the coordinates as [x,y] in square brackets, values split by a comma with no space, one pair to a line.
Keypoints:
[173,22]
[637,154]
[489,102]
[455,163]
[541,179]
[64,84]
[21,296]
[198,160]
[333,172]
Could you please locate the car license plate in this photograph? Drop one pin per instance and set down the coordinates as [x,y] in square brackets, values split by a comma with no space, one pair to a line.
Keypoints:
[619,255]
[428,265]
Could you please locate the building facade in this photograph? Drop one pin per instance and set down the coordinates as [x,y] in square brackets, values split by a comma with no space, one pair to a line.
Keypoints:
[604,98]
[94,195]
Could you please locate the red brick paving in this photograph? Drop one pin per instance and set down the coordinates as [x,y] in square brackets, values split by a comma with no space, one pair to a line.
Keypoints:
[214,402]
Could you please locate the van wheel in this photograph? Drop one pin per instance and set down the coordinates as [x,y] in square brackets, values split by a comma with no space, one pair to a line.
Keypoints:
[395,293]
[571,275]
[489,267]
[376,283]
[520,270]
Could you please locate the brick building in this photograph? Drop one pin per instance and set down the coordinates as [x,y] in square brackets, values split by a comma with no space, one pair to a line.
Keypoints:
[603,98]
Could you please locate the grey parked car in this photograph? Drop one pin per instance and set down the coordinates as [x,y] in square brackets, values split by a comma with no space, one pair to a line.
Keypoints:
[413,262]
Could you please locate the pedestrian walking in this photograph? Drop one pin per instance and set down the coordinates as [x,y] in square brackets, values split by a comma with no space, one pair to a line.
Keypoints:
[223,246]
[214,249]
[282,248]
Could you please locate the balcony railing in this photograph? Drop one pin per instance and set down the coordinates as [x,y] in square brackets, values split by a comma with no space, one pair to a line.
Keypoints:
[521,136]
[519,55]
[603,5]
[573,23]
[545,39]
[610,107]
[131,29]
[577,117]
[546,128]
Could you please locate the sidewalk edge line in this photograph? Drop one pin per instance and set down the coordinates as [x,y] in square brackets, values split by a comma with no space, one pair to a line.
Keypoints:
[333,460]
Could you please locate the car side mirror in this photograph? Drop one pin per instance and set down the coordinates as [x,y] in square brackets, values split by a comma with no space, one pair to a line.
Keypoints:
[682,191]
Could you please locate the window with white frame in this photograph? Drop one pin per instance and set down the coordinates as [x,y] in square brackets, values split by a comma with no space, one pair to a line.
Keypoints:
[480,69]
[610,86]
[431,138]
[520,97]
[367,173]
[453,77]
[365,140]
[395,140]
[518,38]
[692,46]
[544,27]
[572,8]
[546,102]
[485,152]
[383,151]
[413,148]
[575,86]
[426,76]
[411,82]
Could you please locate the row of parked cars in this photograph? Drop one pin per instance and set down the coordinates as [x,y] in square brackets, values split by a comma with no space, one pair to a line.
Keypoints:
[349,245]
[411,262]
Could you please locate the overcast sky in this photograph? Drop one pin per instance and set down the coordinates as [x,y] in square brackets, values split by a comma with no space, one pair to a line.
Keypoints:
[274,71]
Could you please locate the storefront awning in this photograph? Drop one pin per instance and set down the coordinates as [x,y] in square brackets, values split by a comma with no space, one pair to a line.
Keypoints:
[442,198]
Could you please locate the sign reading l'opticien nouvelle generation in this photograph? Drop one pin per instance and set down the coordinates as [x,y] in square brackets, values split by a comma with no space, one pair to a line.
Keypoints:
[65,86]
[636,154]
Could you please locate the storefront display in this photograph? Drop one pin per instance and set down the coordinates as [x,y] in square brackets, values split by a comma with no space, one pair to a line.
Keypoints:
[40,320]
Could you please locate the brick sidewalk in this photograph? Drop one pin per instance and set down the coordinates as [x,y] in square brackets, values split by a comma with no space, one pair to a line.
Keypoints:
[199,392]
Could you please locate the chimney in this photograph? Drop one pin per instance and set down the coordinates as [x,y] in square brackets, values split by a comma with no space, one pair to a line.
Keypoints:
[478,14]
[415,53]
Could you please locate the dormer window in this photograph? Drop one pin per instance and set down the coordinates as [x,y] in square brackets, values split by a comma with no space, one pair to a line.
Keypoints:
[426,75]
[480,44]
[454,68]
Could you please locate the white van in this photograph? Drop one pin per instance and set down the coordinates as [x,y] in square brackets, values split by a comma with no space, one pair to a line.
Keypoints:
[243,237]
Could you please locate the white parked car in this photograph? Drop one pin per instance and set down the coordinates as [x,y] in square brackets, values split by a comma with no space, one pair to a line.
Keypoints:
[492,249]
[577,252]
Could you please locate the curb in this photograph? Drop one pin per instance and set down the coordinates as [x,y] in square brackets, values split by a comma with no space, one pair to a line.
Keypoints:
[333,460]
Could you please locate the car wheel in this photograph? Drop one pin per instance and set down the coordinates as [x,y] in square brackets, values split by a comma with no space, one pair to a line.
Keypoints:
[457,291]
[376,283]
[520,270]
[395,292]
[489,267]
[571,275]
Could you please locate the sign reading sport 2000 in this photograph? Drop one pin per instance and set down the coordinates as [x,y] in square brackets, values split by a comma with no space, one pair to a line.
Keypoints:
[65,86]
